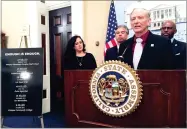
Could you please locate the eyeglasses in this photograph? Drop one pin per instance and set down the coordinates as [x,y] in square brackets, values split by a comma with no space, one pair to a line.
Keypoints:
[168,28]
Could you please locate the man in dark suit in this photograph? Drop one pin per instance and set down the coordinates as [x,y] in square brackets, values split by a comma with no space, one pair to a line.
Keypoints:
[168,30]
[121,34]
[145,50]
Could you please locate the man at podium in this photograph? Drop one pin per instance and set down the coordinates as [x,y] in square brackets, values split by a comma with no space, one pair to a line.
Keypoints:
[145,50]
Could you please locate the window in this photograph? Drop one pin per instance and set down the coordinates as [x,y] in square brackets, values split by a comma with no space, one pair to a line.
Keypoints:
[170,12]
[158,24]
[154,24]
[162,14]
[154,15]
[158,14]
[166,13]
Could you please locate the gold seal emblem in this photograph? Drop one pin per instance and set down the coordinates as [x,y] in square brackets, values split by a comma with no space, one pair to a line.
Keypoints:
[115,88]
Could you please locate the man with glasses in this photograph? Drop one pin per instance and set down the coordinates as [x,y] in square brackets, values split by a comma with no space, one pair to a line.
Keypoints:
[121,34]
[168,30]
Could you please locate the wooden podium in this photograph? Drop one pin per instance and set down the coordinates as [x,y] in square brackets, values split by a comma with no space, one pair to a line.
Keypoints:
[163,103]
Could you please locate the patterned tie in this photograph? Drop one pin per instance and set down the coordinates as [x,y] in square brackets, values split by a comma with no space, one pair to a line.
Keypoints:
[137,52]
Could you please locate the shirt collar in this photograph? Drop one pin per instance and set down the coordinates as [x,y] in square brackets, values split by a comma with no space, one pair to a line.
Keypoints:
[118,46]
[172,40]
[143,37]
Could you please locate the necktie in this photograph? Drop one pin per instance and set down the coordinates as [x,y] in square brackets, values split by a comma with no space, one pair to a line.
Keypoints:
[137,52]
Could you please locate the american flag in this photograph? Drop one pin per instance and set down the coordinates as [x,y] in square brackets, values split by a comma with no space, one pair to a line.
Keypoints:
[112,25]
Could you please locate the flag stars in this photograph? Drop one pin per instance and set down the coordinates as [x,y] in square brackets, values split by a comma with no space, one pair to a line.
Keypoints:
[112,24]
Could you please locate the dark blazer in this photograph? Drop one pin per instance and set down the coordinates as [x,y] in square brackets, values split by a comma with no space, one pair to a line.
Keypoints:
[179,49]
[157,53]
[72,62]
[111,54]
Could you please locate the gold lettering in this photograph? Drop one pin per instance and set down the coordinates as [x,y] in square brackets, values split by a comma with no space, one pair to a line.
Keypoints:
[133,86]
[117,111]
[94,96]
[121,109]
[104,107]
[133,97]
[93,86]
[99,103]
[105,68]
[110,67]
[124,71]
[114,67]
[130,103]
[97,76]
[94,82]
[126,107]
[94,91]
[119,68]
[133,91]
[96,100]
[131,81]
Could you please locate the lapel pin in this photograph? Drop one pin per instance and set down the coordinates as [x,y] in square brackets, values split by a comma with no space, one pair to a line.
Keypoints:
[177,54]
[152,45]
[175,44]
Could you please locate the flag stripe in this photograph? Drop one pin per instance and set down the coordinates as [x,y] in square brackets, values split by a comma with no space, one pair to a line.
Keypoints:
[113,42]
[112,25]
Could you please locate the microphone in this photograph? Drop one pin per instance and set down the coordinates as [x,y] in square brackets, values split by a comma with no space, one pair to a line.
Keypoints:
[121,58]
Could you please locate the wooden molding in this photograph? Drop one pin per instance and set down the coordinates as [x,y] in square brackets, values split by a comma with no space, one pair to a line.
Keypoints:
[3,40]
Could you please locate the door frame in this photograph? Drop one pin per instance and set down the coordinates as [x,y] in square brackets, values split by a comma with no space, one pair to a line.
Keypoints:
[77,14]
[63,4]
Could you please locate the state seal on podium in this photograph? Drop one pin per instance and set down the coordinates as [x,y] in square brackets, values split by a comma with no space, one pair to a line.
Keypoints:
[115,88]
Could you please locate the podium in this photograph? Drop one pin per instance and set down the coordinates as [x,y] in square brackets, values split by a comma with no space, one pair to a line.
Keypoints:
[163,102]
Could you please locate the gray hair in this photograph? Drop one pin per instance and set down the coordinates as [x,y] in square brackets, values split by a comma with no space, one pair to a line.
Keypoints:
[123,26]
[147,11]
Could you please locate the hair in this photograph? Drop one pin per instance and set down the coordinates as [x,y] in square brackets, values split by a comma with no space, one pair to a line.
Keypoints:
[70,51]
[172,22]
[123,26]
[147,12]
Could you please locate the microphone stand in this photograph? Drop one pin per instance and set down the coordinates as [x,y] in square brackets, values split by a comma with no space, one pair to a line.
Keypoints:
[121,58]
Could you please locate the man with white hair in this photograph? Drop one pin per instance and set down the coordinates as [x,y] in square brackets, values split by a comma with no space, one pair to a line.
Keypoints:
[146,50]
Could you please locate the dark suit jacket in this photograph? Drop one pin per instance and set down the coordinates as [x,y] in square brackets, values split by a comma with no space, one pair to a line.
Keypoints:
[111,54]
[179,49]
[157,53]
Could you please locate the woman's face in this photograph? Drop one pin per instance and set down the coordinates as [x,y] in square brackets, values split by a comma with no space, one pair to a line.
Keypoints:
[78,45]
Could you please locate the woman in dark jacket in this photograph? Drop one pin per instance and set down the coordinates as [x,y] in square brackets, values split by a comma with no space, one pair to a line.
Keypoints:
[76,56]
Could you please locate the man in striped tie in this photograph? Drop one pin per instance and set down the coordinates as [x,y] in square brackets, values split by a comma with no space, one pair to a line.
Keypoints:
[121,34]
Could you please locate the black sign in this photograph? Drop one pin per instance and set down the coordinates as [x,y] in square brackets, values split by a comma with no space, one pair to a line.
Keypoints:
[22,81]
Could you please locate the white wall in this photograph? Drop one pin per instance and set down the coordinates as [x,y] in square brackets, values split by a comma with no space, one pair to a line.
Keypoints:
[95,27]
[77,14]
[14,15]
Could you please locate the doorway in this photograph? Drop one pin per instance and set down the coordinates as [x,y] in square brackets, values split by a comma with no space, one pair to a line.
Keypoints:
[60,31]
